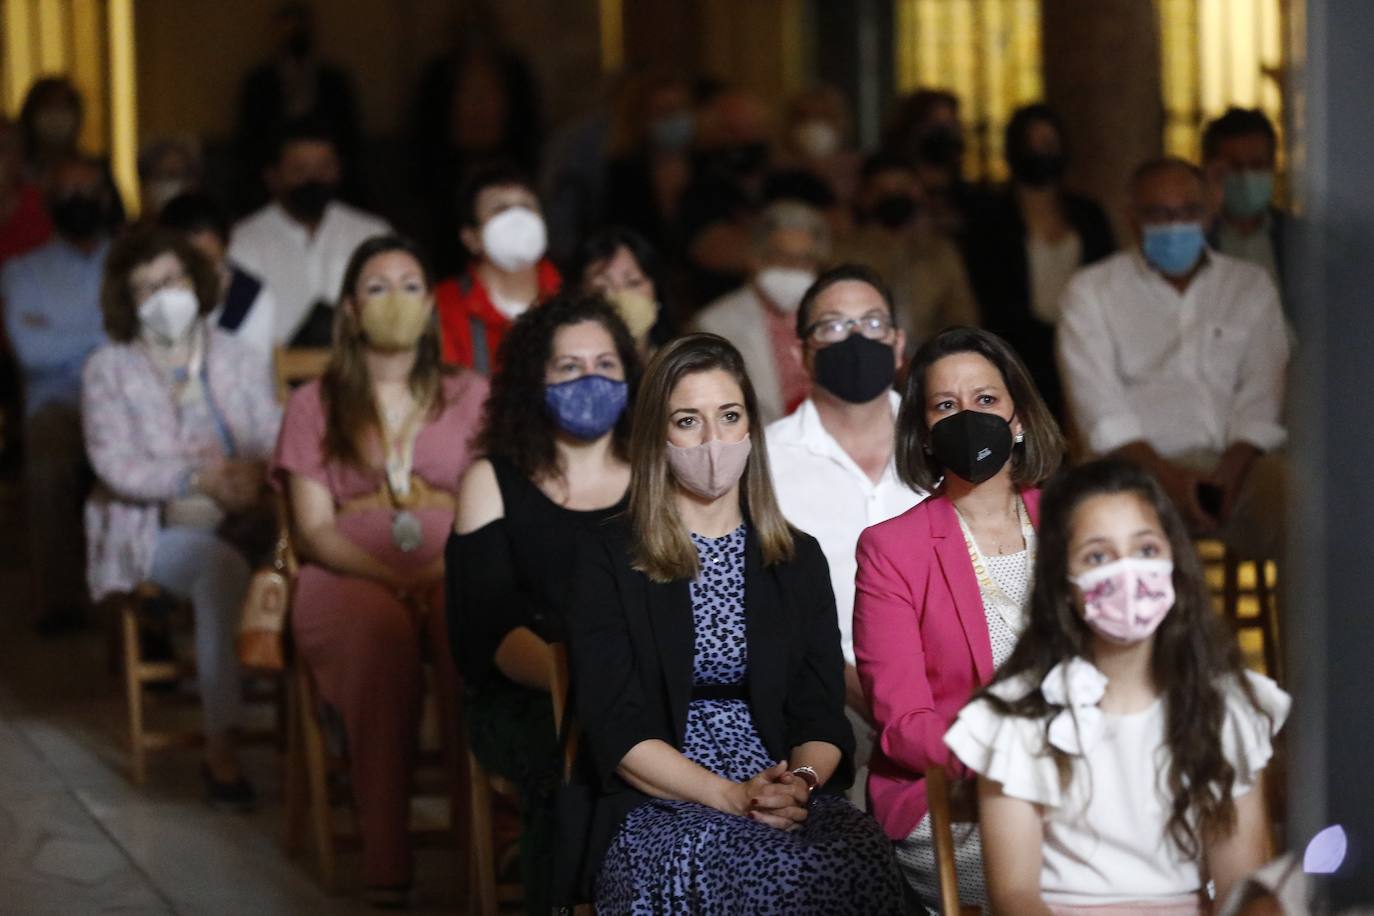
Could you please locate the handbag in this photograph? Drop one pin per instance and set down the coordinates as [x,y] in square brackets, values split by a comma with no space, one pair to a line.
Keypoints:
[262,620]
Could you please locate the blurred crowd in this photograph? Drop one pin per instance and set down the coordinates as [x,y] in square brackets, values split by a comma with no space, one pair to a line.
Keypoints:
[490,323]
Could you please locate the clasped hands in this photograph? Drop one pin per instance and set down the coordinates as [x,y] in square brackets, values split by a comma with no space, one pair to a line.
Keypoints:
[775,797]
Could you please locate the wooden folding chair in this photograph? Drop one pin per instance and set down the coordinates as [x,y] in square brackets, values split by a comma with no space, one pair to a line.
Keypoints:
[942,820]
[1233,581]
[140,674]
[295,365]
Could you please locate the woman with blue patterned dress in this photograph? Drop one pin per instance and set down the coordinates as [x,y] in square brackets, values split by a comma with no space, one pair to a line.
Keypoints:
[708,678]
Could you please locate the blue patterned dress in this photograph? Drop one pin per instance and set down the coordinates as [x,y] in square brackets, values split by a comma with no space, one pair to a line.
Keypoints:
[681,857]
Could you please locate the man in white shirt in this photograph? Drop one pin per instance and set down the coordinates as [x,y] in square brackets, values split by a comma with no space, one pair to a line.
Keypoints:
[301,242]
[790,242]
[1174,355]
[832,457]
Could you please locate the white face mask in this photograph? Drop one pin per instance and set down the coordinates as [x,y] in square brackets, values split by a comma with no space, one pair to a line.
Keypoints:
[169,313]
[515,239]
[785,286]
[816,138]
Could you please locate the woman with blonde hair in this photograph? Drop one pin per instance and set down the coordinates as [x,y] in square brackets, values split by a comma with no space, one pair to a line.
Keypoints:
[370,456]
[709,679]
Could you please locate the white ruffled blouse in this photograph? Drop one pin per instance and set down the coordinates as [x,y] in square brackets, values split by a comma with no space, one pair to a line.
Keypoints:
[1106,835]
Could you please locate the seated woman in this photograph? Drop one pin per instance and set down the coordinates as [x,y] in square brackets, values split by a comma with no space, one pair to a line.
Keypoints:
[620,265]
[555,439]
[371,455]
[179,419]
[940,588]
[708,676]
[1119,748]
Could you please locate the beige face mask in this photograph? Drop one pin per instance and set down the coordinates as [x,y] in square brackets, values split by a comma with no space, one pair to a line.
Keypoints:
[394,321]
[637,310]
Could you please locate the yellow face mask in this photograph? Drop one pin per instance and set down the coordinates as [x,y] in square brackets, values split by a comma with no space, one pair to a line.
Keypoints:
[394,321]
[637,310]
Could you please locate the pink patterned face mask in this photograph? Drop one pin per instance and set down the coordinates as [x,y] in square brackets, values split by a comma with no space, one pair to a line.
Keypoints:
[1126,600]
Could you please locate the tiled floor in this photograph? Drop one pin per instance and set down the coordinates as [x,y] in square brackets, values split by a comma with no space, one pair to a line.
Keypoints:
[76,837]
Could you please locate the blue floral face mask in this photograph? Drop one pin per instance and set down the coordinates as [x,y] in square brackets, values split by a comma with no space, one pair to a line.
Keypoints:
[1173,249]
[588,406]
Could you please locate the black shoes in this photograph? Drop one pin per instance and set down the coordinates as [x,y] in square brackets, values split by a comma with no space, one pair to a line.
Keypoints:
[239,795]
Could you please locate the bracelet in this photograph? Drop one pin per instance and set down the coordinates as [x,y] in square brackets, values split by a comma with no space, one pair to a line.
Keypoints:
[809,776]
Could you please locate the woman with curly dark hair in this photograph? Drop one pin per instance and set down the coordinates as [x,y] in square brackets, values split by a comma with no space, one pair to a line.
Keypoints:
[556,441]
[1118,747]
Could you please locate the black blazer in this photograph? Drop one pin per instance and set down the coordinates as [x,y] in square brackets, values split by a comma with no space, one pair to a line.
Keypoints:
[1000,274]
[631,645]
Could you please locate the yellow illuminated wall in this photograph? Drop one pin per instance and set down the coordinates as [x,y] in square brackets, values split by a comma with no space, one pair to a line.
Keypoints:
[91,42]
[1218,53]
[987,52]
[1214,53]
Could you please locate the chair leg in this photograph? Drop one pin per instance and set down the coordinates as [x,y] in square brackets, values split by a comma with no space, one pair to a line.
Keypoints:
[1230,588]
[296,778]
[320,814]
[133,688]
[483,888]
[1269,619]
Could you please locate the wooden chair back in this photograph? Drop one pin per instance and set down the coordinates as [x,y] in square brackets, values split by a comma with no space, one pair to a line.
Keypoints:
[943,816]
[296,365]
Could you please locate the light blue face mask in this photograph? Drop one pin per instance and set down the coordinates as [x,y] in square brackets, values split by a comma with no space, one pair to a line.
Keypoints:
[1247,193]
[1173,249]
[673,132]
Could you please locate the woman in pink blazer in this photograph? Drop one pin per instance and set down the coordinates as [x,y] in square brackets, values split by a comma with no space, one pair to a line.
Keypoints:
[941,588]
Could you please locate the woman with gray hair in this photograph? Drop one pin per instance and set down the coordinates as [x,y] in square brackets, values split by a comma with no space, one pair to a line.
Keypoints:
[790,242]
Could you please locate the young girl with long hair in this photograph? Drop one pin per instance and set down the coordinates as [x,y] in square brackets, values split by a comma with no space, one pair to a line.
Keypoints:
[1120,748]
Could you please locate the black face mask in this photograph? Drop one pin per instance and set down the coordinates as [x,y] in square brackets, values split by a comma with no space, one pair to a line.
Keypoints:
[736,161]
[306,202]
[856,369]
[971,444]
[79,216]
[1037,170]
[894,211]
[942,147]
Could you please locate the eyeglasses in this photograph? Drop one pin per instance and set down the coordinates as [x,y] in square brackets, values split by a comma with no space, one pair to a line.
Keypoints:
[834,330]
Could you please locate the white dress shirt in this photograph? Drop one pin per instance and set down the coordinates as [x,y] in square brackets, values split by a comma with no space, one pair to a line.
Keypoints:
[824,493]
[1190,372]
[298,268]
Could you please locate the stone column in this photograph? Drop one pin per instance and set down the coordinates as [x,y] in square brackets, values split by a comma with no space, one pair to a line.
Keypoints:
[1102,74]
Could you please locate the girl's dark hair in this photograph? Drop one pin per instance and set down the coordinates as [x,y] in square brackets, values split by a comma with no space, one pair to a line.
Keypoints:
[132,251]
[515,425]
[1195,658]
[602,245]
[353,421]
[1032,461]
[1014,137]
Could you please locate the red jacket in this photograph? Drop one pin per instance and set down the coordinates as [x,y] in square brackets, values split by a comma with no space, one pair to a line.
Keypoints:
[470,327]
[922,648]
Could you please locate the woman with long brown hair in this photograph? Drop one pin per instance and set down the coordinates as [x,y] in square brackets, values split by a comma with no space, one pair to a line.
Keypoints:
[709,678]
[1120,749]
[370,456]
[939,589]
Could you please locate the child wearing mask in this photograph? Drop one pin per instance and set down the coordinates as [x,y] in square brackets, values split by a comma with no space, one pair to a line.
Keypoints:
[1120,748]
[503,231]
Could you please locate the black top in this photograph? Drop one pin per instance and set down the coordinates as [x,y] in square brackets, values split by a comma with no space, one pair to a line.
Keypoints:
[1000,274]
[632,644]
[516,571]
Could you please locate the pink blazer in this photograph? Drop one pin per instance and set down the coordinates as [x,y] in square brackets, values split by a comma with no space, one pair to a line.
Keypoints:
[922,648]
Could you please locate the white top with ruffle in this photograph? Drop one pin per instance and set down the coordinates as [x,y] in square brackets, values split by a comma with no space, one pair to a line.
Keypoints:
[1106,834]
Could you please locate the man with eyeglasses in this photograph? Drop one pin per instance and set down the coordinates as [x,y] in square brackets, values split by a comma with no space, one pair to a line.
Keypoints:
[1174,355]
[832,457]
